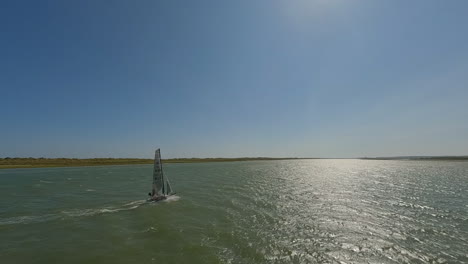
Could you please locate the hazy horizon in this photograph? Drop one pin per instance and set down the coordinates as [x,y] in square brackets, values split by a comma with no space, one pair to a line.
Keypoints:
[247,157]
[324,79]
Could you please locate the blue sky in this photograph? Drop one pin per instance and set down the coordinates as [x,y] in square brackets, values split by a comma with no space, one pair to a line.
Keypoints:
[275,78]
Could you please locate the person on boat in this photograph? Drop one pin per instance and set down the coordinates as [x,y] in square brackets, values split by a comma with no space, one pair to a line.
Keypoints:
[156,198]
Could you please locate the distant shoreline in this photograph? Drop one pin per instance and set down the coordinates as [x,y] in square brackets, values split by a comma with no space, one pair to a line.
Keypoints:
[422,158]
[16,163]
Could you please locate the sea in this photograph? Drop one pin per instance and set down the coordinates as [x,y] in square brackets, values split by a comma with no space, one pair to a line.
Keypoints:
[282,211]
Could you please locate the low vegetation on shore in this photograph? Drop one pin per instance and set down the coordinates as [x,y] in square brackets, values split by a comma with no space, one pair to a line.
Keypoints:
[448,158]
[64,162]
[9,163]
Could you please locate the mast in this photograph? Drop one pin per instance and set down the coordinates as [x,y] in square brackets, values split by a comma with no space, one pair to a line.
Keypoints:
[154,189]
[162,173]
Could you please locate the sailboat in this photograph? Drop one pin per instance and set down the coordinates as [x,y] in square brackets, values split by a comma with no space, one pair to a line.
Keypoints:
[161,185]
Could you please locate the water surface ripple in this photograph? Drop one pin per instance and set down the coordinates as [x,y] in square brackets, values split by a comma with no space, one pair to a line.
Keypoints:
[294,211]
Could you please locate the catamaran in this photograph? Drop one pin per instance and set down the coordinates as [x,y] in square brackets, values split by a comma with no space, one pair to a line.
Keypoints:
[161,185]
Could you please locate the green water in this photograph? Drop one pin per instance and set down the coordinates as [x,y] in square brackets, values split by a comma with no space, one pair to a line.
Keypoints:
[296,211]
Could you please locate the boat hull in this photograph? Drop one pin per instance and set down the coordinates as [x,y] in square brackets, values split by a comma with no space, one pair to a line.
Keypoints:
[157,198]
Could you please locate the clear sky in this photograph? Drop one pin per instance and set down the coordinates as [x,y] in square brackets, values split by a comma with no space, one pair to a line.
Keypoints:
[277,78]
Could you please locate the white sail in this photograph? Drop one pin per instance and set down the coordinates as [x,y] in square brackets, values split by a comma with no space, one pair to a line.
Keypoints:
[158,178]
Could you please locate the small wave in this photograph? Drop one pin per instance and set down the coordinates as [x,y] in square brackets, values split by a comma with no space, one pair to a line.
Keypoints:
[150,229]
[80,212]
[139,202]
[172,198]
[90,190]
[30,219]
[91,212]
[45,181]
